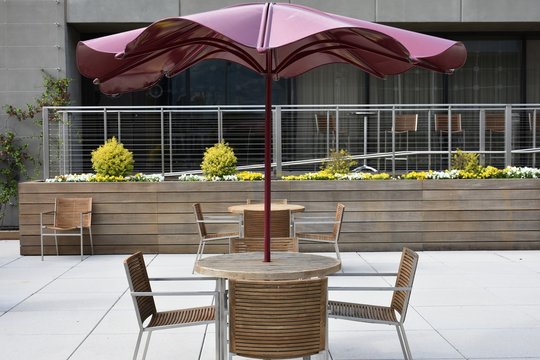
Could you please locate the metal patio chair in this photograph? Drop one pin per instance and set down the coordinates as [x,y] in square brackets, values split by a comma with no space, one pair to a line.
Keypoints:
[71,216]
[389,315]
[205,236]
[277,319]
[145,307]
[254,224]
[331,237]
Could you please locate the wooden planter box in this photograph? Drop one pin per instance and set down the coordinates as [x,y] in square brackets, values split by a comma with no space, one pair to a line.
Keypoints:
[379,215]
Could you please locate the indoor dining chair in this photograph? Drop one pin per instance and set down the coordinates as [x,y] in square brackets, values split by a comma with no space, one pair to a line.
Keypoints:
[331,237]
[206,236]
[145,307]
[389,315]
[71,216]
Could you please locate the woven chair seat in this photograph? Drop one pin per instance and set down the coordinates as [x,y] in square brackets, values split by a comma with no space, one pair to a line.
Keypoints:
[362,312]
[61,228]
[316,236]
[183,316]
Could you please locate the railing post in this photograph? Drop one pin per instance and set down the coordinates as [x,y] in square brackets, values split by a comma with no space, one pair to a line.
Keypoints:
[393,141]
[429,138]
[162,130]
[119,127]
[220,124]
[508,136]
[449,137]
[46,165]
[337,129]
[327,133]
[104,125]
[170,142]
[533,129]
[278,145]
[65,143]
[483,137]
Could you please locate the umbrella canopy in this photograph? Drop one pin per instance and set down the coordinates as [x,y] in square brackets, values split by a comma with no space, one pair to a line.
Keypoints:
[273,39]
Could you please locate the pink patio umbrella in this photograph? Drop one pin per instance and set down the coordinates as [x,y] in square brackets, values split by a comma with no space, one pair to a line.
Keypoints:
[273,39]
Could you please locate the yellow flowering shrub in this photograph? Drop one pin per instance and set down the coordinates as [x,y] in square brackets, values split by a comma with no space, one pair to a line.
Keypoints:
[218,161]
[112,159]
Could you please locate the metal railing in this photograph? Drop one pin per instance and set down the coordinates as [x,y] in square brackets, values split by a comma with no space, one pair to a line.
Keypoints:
[171,139]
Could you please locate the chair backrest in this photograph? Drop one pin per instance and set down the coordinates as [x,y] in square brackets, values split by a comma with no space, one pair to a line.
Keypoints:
[405,278]
[199,218]
[254,223]
[68,212]
[260,201]
[441,122]
[325,122]
[288,244]
[277,319]
[533,121]
[495,122]
[138,282]
[406,122]
[340,209]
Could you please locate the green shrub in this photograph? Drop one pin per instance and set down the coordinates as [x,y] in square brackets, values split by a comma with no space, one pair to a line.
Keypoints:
[218,161]
[112,159]
[467,162]
[340,162]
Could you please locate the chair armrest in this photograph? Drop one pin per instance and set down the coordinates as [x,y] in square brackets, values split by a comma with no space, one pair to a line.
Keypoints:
[225,219]
[369,288]
[192,278]
[41,218]
[174,293]
[363,274]
[305,222]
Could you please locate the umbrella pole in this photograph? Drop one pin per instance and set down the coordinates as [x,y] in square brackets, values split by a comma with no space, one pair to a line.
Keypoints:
[267,155]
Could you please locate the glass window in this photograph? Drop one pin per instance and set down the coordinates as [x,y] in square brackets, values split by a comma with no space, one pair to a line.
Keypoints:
[492,73]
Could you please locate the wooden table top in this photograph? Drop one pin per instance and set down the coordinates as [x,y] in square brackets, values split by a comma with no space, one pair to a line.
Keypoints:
[238,209]
[283,266]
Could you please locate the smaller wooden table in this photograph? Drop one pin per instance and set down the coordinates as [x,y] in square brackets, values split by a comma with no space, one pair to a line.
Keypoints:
[239,209]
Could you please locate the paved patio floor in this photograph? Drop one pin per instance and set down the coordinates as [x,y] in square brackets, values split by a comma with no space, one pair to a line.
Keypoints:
[465,305]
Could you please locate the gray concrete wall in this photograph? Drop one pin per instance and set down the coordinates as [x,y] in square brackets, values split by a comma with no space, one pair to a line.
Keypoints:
[32,38]
[34,34]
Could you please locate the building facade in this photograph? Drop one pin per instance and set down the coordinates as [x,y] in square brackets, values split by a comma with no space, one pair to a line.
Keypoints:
[502,38]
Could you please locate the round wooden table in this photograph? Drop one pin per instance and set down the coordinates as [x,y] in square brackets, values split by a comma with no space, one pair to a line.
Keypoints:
[239,209]
[284,266]
[250,266]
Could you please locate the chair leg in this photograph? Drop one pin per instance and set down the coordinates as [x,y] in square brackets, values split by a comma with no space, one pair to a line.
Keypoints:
[56,243]
[146,345]
[42,245]
[337,251]
[198,255]
[91,240]
[82,244]
[404,343]
[137,345]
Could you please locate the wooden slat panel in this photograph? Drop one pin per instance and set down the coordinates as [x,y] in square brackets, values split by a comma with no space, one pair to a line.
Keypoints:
[380,215]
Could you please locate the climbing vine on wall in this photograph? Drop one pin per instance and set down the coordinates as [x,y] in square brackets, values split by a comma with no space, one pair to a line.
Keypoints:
[14,155]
